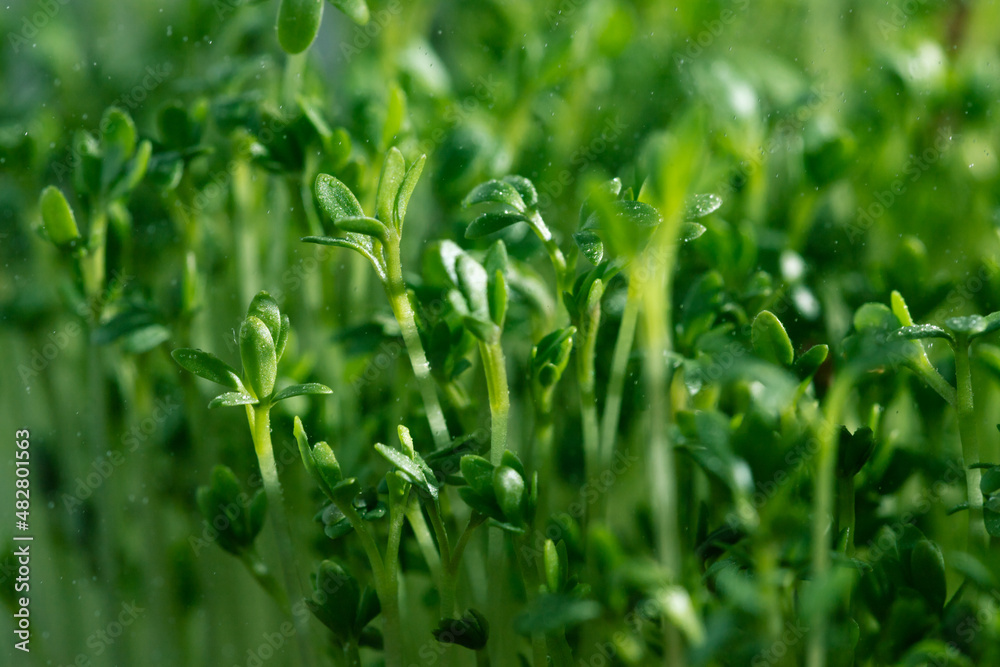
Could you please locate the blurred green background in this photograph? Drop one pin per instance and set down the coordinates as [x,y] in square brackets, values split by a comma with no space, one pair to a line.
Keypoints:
[859,136]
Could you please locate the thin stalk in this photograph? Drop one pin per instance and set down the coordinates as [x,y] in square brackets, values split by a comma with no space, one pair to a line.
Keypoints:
[272,486]
[495,368]
[826,462]
[656,293]
[557,258]
[532,582]
[619,364]
[845,511]
[403,310]
[424,541]
[352,654]
[585,374]
[92,266]
[389,588]
[446,582]
[978,538]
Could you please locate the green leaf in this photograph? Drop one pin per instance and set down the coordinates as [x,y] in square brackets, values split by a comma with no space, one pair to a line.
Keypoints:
[900,309]
[335,599]
[356,10]
[118,135]
[413,472]
[471,631]
[134,171]
[484,330]
[406,191]
[699,206]
[208,366]
[989,483]
[300,390]
[232,399]
[992,520]
[57,216]
[810,360]
[525,188]
[496,192]
[346,490]
[298,24]
[395,114]
[478,473]
[406,441]
[690,231]
[968,325]
[498,298]
[591,245]
[389,184]
[472,282]
[553,573]
[265,308]
[327,467]
[177,129]
[356,242]
[336,199]
[368,608]
[875,317]
[508,486]
[259,360]
[928,573]
[490,223]
[770,340]
[920,331]
[364,226]
[282,339]
[992,322]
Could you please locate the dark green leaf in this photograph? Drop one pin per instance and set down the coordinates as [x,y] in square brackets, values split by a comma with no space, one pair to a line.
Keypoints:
[298,24]
[495,192]
[356,10]
[699,206]
[364,226]
[265,308]
[406,190]
[232,399]
[591,245]
[770,340]
[525,188]
[300,389]
[207,365]
[336,199]
[928,573]
[508,486]
[489,223]
[257,351]
[389,183]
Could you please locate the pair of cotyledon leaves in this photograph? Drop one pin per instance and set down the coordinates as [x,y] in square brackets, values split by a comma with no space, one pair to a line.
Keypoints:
[263,336]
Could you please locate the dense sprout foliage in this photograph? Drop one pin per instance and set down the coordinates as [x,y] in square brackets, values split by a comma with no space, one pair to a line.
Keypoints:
[573,332]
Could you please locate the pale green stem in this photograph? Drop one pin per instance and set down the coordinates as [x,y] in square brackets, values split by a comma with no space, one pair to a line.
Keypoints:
[585,374]
[495,368]
[663,477]
[446,582]
[845,513]
[424,540]
[978,538]
[403,310]
[389,593]
[619,364]
[826,462]
[276,506]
